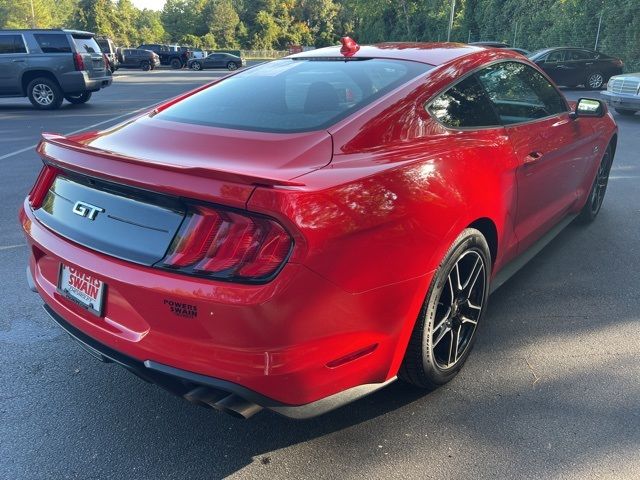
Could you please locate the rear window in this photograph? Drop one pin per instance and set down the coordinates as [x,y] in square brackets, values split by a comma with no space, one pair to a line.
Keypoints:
[86,44]
[294,95]
[53,42]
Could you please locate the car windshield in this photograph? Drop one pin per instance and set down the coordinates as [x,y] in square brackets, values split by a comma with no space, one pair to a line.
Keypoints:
[294,95]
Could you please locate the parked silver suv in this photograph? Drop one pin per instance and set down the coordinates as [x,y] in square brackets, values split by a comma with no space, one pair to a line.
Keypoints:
[51,65]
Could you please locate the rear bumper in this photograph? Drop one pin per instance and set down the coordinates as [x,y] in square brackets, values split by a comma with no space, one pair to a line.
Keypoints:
[78,82]
[180,382]
[622,101]
[284,341]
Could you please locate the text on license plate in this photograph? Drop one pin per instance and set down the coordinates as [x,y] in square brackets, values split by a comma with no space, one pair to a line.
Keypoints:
[82,288]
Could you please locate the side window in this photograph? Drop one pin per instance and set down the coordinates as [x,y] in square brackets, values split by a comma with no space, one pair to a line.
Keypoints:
[555,57]
[519,93]
[53,42]
[12,44]
[579,55]
[464,105]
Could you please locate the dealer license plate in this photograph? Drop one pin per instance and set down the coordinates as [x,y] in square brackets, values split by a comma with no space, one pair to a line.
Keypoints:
[81,288]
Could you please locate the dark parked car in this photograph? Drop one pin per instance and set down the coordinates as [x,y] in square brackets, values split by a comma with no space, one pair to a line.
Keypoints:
[521,51]
[491,44]
[168,55]
[217,60]
[138,58]
[50,65]
[110,51]
[571,67]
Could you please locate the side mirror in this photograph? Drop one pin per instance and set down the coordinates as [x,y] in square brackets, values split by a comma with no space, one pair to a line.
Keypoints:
[589,107]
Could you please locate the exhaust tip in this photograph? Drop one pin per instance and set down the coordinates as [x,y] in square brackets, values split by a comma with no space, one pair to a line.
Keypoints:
[230,404]
[238,407]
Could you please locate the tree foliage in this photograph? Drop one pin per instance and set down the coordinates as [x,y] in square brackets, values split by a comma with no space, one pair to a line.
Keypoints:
[275,24]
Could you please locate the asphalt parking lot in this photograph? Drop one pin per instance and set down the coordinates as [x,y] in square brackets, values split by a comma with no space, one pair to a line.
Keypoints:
[551,390]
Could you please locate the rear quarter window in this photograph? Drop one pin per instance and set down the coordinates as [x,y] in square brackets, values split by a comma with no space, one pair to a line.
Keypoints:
[53,42]
[294,95]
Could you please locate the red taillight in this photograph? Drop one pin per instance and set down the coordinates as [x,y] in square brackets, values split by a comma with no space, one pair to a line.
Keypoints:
[228,245]
[618,63]
[106,61]
[78,61]
[42,185]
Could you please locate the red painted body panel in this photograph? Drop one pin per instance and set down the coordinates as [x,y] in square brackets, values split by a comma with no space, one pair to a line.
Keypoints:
[372,205]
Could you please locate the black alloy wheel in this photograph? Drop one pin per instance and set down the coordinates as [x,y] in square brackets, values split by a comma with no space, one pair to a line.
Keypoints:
[448,320]
[598,189]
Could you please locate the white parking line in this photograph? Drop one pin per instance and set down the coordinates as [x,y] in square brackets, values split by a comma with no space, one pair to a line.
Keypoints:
[31,147]
[9,247]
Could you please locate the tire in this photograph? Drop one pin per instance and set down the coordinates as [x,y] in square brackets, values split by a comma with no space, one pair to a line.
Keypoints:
[622,111]
[231,66]
[594,81]
[598,189]
[449,313]
[145,66]
[78,99]
[44,94]
[196,66]
[175,63]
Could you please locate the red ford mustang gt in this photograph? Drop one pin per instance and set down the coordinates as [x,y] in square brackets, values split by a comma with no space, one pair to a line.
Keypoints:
[302,233]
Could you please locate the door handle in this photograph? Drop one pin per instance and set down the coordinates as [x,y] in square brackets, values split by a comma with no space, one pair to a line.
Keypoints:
[532,158]
[18,60]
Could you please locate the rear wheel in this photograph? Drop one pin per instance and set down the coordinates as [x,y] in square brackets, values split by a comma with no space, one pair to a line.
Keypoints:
[622,111]
[446,326]
[79,98]
[176,63]
[232,66]
[594,81]
[590,211]
[146,66]
[44,93]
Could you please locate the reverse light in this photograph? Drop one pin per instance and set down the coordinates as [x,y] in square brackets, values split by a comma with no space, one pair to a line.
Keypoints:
[228,245]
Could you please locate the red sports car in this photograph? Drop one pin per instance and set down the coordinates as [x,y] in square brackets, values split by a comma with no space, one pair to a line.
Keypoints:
[302,233]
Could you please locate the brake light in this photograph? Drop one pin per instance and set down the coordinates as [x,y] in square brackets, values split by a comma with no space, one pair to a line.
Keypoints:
[228,245]
[78,61]
[106,61]
[618,63]
[41,187]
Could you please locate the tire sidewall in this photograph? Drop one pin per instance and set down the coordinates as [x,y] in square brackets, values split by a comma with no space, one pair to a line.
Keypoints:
[145,66]
[470,239]
[176,64]
[57,93]
[231,66]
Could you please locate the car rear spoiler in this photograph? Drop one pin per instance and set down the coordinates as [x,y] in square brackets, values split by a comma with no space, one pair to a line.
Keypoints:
[52,149]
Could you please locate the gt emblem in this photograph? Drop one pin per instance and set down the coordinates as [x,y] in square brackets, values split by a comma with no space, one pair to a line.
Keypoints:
[86,210]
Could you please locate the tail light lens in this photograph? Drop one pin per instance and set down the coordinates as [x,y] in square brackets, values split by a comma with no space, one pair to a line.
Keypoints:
[78,61]
[618,63]
[42,186]
[228,245]
[106,61]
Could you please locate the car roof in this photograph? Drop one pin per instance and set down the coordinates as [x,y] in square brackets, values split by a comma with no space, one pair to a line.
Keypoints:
[435,53]
[50,30]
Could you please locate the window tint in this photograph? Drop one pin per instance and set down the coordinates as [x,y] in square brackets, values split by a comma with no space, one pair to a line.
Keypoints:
[557,56]
[464,105]
[53,42]
[293,95]
[12,44]
[86,45]
[519,93]
[579,55]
